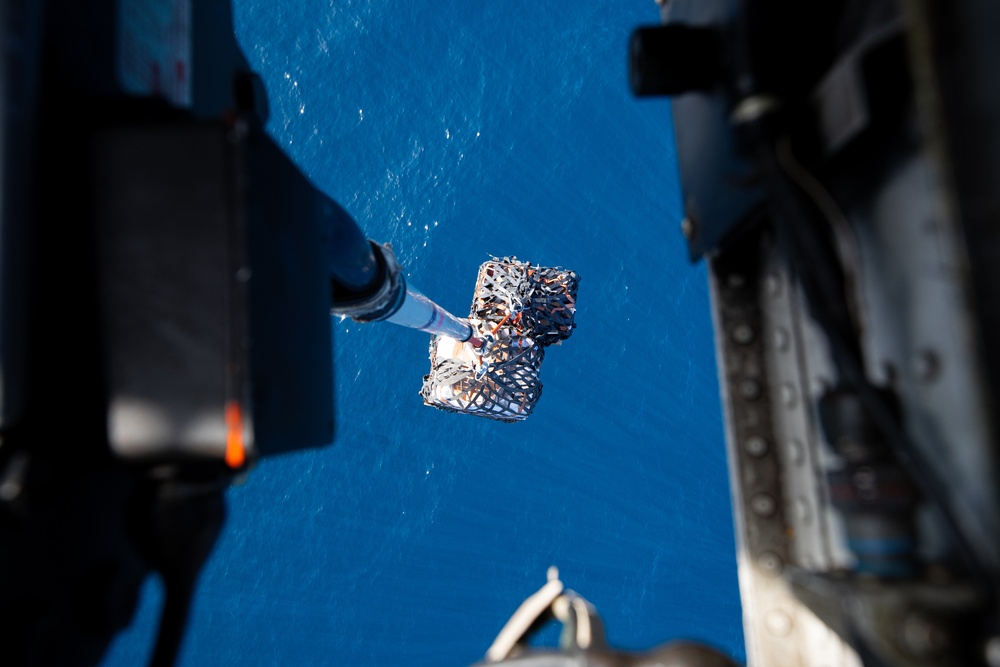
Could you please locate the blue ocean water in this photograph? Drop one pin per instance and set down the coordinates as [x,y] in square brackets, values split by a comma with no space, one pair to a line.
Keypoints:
[457,130]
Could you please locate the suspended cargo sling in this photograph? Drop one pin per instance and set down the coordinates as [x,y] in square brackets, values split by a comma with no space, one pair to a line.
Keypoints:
[517,311]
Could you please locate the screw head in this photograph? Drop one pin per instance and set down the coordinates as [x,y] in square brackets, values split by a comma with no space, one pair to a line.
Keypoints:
[736,281]
[742,334]
[778,623]
[796,451]
[756,446]
[687,228]
[773,284]
[770,563]
[749,389]
[763,505]
[789,395]
[781,339]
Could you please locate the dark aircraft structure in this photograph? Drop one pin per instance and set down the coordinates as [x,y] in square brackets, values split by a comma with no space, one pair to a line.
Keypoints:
[839,163]
[167,277]
[166,281]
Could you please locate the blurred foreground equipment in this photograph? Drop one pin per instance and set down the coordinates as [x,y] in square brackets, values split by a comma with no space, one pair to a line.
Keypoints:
[839,164]
[582,642]
[166,281]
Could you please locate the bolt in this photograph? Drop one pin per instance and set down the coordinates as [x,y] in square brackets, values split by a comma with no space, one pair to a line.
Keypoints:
[802,510]
[770,563]
[755,446]
[780,339]
[742,334]
[773,284]
[763,505]
[753,107]
[796,451]
[789,395]
[736,281]
[749,389]
[778,623]
[688,229]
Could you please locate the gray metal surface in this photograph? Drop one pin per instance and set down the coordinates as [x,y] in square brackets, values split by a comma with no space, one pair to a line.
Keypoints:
[921,338]
[911,202]
[419,312]
[768,370]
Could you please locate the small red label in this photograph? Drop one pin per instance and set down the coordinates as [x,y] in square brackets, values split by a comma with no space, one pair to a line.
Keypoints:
[154,48]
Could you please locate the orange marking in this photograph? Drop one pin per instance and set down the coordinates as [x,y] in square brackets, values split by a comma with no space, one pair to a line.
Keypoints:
[236,454]
[502,322]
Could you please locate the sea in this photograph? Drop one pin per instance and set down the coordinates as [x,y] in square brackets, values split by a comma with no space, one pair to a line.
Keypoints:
[459,130]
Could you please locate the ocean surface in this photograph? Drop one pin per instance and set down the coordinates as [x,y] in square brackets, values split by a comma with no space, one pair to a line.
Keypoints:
[457,130]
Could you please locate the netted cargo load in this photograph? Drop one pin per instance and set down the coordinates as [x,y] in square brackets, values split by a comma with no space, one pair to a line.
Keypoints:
[538,301]
[517,310]
[498,380]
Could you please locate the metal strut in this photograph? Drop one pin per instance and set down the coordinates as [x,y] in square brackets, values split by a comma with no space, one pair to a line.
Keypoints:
[389,299]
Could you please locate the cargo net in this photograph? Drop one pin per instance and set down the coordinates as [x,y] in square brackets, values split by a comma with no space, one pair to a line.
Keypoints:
[517,311]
